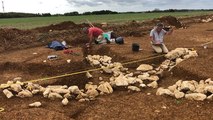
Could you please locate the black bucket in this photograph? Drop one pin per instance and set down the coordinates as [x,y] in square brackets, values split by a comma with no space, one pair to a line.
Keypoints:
[135,47]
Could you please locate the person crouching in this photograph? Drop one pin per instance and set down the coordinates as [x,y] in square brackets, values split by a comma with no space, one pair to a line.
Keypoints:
[157,38]
[94,34]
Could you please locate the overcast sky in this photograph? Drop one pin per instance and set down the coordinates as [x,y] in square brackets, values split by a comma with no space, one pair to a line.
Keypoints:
[62,6]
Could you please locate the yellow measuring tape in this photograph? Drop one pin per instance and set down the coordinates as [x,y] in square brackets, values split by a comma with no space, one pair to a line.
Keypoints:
[91,70]
[1,109]
[80,72]
[61,76]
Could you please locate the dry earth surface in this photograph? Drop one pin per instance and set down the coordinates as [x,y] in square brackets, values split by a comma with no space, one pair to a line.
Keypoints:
[17,60]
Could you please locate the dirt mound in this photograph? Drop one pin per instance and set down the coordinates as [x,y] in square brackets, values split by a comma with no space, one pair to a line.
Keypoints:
[133,28]
[15,38]
[12,39]
[61,26]
[169,20]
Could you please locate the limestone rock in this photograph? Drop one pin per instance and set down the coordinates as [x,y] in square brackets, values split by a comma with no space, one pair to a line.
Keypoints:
[178,52]
[178,60]
[209,81]
[162,91]
[144,76]
[100,78]
[187,85]
[60,91]
[16,87]
[25,93]
[54,96]
[210,97]
[112,79]
[105,59]
[30,86]
[172,88]
[35,104]
[17,79]
[81,95]
[74,89]
[124,69]
[4,86]
[152,72]
[153,78]
[7,93]
[145,67]
[209,88]
[46,92]
[95,62]
[134,88]
[90,86]
[196,96]
[166,63]
[92,93]
[35,92]
[10,83]
[121,81]
[178,83]
[131,80]
[129,75]
[68,96]
[107,70]
[143,85]
[83,100]
[20,83]
[65,101]
[200,88]
[137,73]
[105,88]
[191,54]
[137,80]
[42,89]
[57,86]
[153,84]
[178,94]
[118,65]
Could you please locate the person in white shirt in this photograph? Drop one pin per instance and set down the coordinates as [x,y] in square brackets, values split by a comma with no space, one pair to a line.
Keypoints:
[156,36]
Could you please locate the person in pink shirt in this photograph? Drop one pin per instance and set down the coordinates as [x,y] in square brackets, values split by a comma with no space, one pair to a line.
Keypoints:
[93,34]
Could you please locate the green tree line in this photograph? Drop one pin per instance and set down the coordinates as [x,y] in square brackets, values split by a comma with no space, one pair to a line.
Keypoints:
[101,12]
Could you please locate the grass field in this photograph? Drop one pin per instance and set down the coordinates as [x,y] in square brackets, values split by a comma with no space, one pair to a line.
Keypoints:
[33,22]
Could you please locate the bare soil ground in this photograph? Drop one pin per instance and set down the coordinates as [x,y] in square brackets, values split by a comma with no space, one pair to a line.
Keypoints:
[17,60]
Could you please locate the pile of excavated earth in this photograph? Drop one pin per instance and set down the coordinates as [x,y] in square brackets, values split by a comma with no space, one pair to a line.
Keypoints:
[12,38]
[145,76]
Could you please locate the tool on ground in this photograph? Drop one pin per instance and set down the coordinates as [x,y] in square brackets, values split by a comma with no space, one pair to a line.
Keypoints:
[91,25]
[52,57]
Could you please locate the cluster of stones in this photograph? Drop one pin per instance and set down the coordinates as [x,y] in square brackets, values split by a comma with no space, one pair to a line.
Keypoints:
[207,20]
[191,90]
[65,93]
[121,77]
[175,57]
[144,76]
[144,73]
